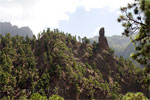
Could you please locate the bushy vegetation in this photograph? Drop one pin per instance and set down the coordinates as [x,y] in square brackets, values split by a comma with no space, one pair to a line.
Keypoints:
[134,96]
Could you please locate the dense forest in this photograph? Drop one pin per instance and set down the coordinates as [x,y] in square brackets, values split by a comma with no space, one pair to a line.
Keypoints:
[56,64]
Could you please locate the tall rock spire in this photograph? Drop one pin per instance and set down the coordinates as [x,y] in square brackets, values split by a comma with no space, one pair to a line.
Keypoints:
[103,44]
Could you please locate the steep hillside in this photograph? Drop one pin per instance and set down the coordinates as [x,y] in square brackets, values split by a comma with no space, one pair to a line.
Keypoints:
[6,27]
[56,63]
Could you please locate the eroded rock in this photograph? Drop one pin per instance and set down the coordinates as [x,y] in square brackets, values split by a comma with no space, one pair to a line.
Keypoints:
[103,44]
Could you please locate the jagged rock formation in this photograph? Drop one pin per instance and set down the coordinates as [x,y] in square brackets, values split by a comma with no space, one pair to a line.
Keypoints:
[118,43]
[103,44]
[7,27]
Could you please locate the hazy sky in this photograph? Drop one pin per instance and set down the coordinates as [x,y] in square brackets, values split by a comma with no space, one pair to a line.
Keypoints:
[79,17]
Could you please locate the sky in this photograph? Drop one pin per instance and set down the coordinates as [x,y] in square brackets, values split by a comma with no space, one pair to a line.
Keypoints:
[78,17]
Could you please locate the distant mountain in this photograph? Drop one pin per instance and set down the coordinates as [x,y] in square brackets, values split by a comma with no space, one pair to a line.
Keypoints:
[128,50]
[7,27]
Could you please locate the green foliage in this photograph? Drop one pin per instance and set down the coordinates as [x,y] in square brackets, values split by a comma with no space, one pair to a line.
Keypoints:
[56,97]
[135,19]
[134,96]
[23,98]
[37,96]
[111,51]
[95,47]
[85,40]
[7,98]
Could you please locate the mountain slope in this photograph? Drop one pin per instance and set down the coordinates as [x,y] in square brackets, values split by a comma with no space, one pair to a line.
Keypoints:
[56,63]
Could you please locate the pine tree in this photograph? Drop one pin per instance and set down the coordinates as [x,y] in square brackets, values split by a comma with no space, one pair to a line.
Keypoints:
[135,19]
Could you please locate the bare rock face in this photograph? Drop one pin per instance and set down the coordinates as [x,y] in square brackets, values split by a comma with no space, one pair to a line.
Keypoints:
[103,44]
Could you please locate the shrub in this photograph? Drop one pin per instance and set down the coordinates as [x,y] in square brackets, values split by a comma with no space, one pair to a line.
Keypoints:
[37,96]
[56,97]
[134,96]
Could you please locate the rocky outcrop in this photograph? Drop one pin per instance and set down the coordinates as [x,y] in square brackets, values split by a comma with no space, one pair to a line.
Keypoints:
[103,44]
